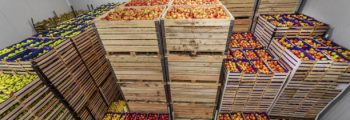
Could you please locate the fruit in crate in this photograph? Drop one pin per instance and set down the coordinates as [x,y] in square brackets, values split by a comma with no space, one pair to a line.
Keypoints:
[298,43]
[231,66]
[146,2]
[163,117]
[130,116]
[276,67]
[255,44]
[11,83]
[285,43]
[141,116]
[313,43]
[144,13]
[263,54]
[344,52]
[183,12]
[249,116]
[244,44]
[251,55]
[224,116]
[237,54]
[152,116]
[261,116]
[328,43]
[234,44]
[246,67]
[194,2]
[334,55]
[6,50]
[260,65]
[248,35]
[316,54]
[300,55]
[237,36]
[237,116]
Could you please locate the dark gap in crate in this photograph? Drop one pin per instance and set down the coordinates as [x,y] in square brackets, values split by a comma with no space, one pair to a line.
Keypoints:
[242,17]
[192,53]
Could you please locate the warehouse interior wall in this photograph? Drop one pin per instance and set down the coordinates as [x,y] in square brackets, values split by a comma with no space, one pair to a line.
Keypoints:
[15,17]
[334,12]
[82,4]
[337,15]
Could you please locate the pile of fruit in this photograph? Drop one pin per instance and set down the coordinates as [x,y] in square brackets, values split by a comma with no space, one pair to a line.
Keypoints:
[261,66]
[144,13]
[246,67]
[251,55]
[244,116]
[315,49]
[186,12]
[276,66]
[195,2]
[263,54]
[136,116]
[11,83]
[292,20]
[146,2]
[28,49]
[244,40]
[117,107]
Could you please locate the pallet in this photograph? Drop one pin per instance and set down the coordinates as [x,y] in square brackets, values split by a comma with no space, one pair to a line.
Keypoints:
[143,91]
[265,31]
[200,68]
[137,68]
[196,35]
[193,111]
[144,107]
[128,36]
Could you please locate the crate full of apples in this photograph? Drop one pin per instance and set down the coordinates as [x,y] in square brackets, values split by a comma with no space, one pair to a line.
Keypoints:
[245,40]
[195,2]
[131,3]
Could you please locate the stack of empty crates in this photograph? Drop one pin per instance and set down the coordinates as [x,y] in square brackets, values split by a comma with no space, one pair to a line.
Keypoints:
[243,10]
[194,53]
[133,49]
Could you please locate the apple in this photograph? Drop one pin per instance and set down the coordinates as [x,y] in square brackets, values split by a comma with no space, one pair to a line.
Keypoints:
[261,116]
[262,68]
[237,36]
[237,54]
[316,54]
[285,43]
[300,55]
[327,43]
[231,66]
[313,43]
[143,13]
[246,67]
[11,83]
[182,12]
[152,116]
[141,116]
[249,116]
[275,66]
[163,117]
[237,116]
[146,2]
[298,43]
[263,54]
[334,55]
[344,52]
[194,2]
[224,116]
[251,55]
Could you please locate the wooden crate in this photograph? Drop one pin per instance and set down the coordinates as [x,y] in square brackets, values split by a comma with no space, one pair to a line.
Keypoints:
[143,91]
[200,68]
[194,92]
[97,106]
[242,11]
[196,35]
[137,68]
[132,37]
[264,31]
[110,88]
[250,92]
[142,106]
[277,6]
[193,111]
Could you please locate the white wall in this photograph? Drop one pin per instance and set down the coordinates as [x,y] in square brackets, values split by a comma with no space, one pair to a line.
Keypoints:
[334,12]
[82,4]
[15,17]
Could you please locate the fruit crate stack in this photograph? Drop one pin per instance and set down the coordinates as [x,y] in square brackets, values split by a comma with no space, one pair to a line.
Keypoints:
[132,43]
[287,25]
[194,46]
[316,71]
[243,12]
[137,116]
[25,96]
[253,77]
[243,116]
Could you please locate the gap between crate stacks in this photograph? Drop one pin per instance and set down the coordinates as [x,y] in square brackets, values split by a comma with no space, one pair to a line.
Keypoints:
[243,12]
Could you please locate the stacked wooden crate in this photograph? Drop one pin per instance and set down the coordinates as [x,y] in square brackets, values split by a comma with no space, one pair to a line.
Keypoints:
[277,6]
[287,25]
[133,49]
[252,78]
[194,47]
[316,71]
[243,11]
